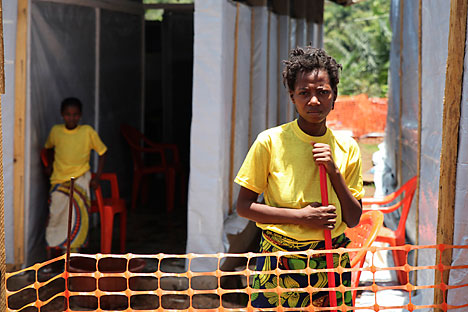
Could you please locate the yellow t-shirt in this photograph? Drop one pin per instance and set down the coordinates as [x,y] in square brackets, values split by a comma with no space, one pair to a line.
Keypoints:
[72,149]
[280,164]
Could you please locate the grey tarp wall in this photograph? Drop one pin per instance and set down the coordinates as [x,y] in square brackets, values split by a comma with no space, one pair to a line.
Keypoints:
[8,118]
[90,53]
[400,167]
[259,101]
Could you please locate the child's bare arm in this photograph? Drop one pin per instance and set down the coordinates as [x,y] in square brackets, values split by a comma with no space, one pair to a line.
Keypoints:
[94,183]
[312,215]
[50,160]
[351,208]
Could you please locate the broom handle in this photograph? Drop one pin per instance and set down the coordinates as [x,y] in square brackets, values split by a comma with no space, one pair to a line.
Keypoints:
[327,234]
[70,216]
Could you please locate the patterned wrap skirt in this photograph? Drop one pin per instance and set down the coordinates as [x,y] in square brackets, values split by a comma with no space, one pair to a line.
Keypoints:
[272,242]
[57,226]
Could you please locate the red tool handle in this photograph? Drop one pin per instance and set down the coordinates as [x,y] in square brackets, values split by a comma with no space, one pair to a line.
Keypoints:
[327,234]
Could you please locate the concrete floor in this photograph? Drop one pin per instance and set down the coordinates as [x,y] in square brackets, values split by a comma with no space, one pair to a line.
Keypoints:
[385,298]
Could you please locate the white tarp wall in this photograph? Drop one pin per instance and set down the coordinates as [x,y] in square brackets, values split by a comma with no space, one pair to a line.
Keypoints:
[84,50]
[434,60]
[231,106]
[402,167]
[8,119]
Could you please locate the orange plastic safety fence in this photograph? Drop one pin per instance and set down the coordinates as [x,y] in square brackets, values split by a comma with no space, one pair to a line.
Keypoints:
[165,282]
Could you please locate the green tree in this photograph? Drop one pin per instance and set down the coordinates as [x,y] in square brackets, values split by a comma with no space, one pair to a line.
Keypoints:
[359,36]
[156,15]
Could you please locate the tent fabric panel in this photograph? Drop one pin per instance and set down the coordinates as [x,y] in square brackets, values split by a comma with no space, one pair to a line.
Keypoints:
[8,103]
[62,65]
[410,105]
[434,59]
[273,73]
[229,12]
[386,183]
[310,34]
[293,43]
[212,98]
[120,66]
[301,32]
[259,67]
[242,117]
[460,237]
[283,113]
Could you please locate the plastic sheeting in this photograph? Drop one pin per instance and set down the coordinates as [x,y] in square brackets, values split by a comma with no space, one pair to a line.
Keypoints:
[434,59]
[434,56]
[261,102]
[64,63]
[212,93]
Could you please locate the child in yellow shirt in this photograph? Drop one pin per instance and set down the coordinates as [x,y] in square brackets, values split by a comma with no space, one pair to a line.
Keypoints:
[69,145]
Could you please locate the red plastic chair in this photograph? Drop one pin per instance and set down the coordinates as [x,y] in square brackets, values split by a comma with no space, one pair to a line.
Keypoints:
[168,163]
[108,207]
[362,235]
[386,235]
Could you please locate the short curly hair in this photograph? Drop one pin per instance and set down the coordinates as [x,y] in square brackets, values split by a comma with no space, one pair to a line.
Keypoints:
[71,102]
[302,60]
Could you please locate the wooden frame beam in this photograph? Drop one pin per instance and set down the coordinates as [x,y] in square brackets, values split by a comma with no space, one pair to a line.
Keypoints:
[450,130]
[280,7]
[19,142]
[2,193]
[314,11]
[299,8]
[257,2]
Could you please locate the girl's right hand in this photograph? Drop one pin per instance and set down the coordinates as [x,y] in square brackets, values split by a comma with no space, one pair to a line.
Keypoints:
[317,216]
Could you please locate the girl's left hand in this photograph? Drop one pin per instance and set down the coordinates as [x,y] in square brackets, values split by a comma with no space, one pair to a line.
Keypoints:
[323,156]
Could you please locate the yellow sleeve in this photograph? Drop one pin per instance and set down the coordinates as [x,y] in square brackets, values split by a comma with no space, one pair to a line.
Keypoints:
[96,143]
[50,142]
[254,171]
[353,173]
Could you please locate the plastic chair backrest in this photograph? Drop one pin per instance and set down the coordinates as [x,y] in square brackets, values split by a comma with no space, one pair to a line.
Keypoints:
[135,140]
[408,189]
[364,234]
[112,178]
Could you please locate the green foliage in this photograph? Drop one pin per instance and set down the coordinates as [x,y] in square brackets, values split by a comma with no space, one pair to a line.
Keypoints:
[359,36]
[157,15]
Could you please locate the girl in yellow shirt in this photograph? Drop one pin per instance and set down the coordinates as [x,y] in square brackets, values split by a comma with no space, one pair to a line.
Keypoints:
[283,165]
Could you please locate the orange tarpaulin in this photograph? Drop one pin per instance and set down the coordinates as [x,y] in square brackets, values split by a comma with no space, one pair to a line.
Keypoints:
[360,114]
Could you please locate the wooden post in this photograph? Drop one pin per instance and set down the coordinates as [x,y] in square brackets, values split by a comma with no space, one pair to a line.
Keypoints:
[2,193]
[20,115]
[450,128]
